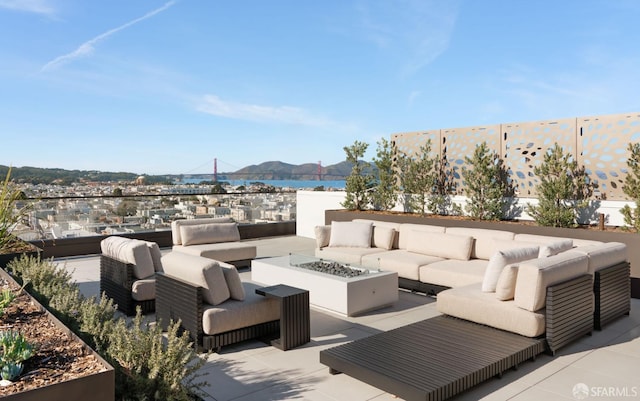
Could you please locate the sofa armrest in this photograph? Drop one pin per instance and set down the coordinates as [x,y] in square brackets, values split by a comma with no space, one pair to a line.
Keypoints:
[612,290]
[176,300]
[569,311]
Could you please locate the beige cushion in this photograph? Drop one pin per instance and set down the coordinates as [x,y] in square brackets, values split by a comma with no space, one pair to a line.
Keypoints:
[384,224]
[232,277]
[404,234]
[555,248]
[406,264]
[345,255]
[453,273]
[144,290]
[198,271]
[176,224]
[470,303]
[323,233]
[502,258]
[350,234]
[141,257]
[447,246]
[222,251]
[537,239]
[383,237]
[506,286]
[232,315]
[209,233]
[483,247]
[534,276]
[603,255]
[156,256]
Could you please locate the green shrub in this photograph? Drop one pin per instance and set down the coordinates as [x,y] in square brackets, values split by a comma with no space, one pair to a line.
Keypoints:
[486,184]
[9,213]
[149,364]
[416,178]
[384,193]
[563,190]
[359,181]
[631,188]
[440,201]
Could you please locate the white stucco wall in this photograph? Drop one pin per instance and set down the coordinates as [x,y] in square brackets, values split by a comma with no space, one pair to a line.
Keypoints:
[310,207]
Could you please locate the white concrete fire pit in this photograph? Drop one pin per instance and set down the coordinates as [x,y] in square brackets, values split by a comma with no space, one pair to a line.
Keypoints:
[344,295]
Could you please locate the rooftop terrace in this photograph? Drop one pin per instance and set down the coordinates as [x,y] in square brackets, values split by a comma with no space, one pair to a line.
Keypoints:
[606,362]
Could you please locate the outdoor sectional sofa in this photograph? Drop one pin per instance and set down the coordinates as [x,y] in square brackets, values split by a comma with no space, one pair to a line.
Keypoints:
[504,299]
[492,277]
[213,238]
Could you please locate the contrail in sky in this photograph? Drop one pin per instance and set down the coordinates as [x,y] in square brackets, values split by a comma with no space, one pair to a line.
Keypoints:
[87,47]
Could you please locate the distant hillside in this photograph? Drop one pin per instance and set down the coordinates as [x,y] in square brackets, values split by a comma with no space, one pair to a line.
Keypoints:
[275,170]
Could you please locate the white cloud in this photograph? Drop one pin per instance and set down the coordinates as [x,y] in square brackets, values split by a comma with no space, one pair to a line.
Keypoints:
[212,104]
[88,47]
[31,6]
[421,29]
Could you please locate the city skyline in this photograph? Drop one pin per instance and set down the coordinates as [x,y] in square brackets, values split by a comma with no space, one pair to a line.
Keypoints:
[164,87]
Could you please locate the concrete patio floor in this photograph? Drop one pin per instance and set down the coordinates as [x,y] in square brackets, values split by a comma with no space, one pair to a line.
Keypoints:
[604,364]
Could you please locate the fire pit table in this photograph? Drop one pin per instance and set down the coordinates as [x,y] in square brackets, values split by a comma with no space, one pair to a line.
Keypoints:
[344,289]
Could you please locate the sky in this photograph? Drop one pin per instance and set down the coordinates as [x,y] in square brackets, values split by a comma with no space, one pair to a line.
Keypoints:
[166,87]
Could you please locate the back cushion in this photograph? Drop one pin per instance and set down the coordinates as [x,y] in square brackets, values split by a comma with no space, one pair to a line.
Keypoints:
[133,251]
[383,224]
[232,277]
[383,237]
[604,254]
[407,228]
[483,247]
[534,276]
[500,259]
[350,234]
[446,246]
[209,233]
[323,233]
[176,224]
[201,272]
[156,255]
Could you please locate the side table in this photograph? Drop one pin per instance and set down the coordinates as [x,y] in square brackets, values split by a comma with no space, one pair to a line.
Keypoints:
[294,315]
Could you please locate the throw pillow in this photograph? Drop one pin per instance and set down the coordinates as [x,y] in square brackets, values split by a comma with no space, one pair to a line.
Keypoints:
[383,237]
[156,256]
[506,286]
[209,233]
[218,291]
[323,233]
[350,234]
[500,259]
[232,277]
[138,254]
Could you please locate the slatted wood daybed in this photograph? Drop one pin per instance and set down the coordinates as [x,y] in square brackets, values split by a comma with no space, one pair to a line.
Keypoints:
[437,358]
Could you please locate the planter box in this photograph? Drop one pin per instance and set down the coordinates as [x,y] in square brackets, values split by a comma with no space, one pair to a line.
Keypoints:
[630,239]
[97,386]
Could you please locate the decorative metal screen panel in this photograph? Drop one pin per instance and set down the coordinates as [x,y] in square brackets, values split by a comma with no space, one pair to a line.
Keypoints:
[599,143]
[524,146]
[458,143]
[603,147]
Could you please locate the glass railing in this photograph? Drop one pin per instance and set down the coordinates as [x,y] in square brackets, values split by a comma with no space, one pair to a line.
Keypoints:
[70,216]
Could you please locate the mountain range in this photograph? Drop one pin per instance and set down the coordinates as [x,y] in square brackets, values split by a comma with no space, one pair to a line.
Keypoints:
[272,170]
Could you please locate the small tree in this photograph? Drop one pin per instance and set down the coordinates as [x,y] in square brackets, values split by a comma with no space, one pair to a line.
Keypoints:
[486,184]
[440,201]
[564,188]
[358,182]
[384,193]
[416,178]
[631,188]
